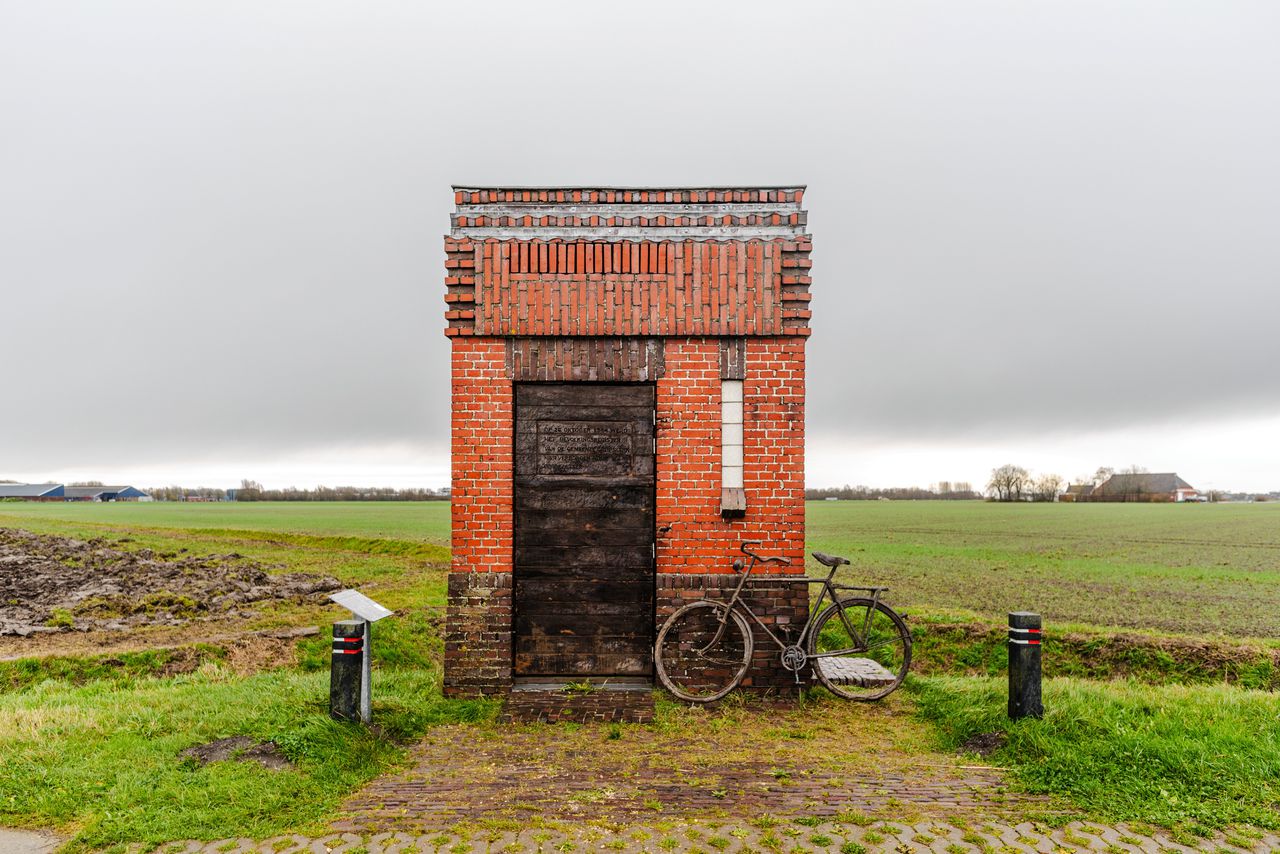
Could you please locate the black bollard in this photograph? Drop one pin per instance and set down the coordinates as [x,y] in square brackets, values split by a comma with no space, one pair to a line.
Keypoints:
[1024,666]
[346,670]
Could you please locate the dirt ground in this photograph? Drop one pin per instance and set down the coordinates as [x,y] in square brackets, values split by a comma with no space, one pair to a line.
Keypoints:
[56,585]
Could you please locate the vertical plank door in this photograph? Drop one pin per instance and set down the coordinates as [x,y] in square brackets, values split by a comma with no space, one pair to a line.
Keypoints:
[584,538]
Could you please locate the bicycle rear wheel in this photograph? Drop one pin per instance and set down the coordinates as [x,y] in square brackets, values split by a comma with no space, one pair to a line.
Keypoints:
[860,650]
[703,651]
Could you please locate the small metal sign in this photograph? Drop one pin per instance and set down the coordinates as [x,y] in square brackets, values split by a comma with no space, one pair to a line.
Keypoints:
[361,605]
[370,612]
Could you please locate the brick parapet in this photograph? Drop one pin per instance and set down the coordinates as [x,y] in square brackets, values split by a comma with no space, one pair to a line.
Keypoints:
[572,261]
[610,213]
[626,195]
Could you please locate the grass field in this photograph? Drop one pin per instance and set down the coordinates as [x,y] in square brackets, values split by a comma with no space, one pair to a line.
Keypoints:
[426,521]
[90,738]
[1203,569]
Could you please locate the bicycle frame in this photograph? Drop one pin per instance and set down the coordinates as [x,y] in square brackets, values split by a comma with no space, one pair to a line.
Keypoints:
[829,587]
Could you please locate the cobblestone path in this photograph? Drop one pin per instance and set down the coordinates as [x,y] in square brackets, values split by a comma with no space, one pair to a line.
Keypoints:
[547,773]
[713,836]
[558,789]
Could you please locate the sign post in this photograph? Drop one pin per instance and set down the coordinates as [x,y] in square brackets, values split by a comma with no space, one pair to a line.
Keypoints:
[346,669]
[367,612]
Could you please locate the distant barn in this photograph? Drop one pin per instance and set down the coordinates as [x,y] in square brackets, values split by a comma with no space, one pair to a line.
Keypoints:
[1162,486]
[105,493]
[32,491]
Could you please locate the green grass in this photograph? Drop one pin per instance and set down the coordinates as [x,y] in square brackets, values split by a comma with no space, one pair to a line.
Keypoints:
[22,673]
[1204,569]
[947,645]
[90,741]
[394,520]
[1195,757]
[103,757]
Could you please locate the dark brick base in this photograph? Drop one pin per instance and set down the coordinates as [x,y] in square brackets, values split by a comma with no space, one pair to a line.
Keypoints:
[780,601]
[477,648]
[635,707]
[477,635]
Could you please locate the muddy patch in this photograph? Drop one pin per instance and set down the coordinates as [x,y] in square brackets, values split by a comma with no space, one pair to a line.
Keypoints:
[239,749]
[58,584]
[983,744]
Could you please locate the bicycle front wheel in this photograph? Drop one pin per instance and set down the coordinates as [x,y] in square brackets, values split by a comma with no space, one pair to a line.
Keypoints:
[860,649]
[703,651]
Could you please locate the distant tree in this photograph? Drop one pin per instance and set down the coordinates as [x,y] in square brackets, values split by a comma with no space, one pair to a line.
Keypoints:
[1047,487]
[1134,469]
[958,492]
[87,483]
[250,490]
[1103,474]
[1008,483]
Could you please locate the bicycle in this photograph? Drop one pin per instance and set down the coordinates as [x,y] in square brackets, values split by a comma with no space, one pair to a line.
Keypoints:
[858,647]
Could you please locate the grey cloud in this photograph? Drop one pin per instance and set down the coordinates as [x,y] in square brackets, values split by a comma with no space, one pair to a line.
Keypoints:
[222,223]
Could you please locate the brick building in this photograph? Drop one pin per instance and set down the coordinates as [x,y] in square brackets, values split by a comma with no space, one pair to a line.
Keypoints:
[628,407]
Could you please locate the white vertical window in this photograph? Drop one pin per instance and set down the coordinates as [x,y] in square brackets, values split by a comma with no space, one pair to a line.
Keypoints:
[733,499]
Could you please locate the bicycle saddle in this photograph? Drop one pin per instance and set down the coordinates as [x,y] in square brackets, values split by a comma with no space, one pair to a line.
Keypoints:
[829,560]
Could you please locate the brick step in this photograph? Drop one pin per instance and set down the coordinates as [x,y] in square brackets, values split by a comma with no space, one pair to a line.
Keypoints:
[601,704]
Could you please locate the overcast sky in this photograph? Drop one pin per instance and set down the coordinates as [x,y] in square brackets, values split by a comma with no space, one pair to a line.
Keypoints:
[1045,233]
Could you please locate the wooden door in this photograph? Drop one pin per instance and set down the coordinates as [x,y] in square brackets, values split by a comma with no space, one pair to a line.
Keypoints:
[584,530]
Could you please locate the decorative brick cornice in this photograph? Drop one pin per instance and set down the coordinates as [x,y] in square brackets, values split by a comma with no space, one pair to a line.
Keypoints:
[795,281]
[460,287]
[556,288]
[616,261]
[612,213]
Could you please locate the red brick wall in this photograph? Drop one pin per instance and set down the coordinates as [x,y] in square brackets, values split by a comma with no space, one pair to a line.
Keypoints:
[482,429]
[688,462]
[700,544]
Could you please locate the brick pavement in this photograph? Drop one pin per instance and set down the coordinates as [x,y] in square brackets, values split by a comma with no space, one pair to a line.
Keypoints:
[716,836]
[456,776]
[576,789]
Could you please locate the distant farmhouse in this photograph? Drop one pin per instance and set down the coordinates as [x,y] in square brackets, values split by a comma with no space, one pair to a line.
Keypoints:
[59,492]
[1164,486]
[1076,492]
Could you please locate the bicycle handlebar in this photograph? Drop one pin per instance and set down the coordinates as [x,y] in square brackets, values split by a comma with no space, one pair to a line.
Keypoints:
[761,558]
